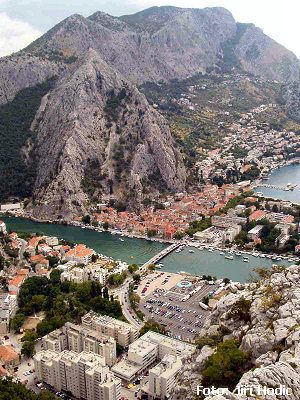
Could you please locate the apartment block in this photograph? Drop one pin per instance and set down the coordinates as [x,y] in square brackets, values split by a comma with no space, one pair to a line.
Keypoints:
[85,375]
[122,332]
[8,307]
[162,378]
[78,338]
[144,353]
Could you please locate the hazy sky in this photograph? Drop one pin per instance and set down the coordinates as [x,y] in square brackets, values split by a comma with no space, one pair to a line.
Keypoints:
[22,21]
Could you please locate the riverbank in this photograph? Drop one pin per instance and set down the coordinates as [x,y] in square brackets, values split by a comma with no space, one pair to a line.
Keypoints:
[193,258]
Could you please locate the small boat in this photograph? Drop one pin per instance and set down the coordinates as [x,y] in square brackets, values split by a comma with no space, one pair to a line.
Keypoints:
[238,254]
[246,259]
[191,251]
[121,240]
[229,257]
[221,253]
[210,250]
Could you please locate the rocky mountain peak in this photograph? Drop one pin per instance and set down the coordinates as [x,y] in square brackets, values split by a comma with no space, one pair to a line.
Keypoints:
[98,137]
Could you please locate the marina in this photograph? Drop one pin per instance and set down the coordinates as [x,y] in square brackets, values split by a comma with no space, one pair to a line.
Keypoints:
[176,258]
[277,184]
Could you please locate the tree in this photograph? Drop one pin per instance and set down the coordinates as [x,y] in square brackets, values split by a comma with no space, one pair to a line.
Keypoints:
[105,293]
[151,232]
[86,219]
[179,235]
[105,225]
[28,349]
[226,366]
[151,267]
[153,326]
[94,257]
[132,268]
[136,278]
[55,276]
[17,322]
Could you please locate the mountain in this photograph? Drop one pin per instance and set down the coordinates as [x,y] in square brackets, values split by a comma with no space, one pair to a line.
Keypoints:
[262,320]
[98,137]
[95,134]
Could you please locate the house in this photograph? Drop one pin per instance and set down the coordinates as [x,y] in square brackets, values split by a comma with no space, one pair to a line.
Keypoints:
[257,215]
[9,358]
[39,261]
[80,253]
[16,282]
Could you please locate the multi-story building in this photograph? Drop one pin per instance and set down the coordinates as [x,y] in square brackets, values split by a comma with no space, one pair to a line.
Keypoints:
[80,253]
[162,378]
[145,351]
[142,354]
[122,332]
[227,221]
[78,339]
[85,375]
[8,307]
[2,227]
[92,272]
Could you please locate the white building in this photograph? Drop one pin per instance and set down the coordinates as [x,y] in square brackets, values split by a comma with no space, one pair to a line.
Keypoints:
[8,308]
[3,227]
[144,353]
[78,338]
[162,378]
[10,207]
[85,375]
[122,332]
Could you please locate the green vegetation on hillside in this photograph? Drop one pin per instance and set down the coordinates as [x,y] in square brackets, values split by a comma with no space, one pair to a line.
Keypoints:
[226,366]
[17,176]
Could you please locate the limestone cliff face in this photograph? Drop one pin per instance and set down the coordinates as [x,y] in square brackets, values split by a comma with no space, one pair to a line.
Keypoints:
[97,137]
[271,336]
[262,56]
[96,134]
[19,71]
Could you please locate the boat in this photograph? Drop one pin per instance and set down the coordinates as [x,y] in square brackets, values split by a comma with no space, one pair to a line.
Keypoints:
[191,251]
[221,253]
[238,254]
[229,257]
[246,259]
[122,240]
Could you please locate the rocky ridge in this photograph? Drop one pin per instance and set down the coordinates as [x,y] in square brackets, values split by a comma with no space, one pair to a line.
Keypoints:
[95,119]
[271,337]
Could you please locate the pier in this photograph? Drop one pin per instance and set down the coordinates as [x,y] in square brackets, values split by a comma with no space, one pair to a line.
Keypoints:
[161,255]
[288,187]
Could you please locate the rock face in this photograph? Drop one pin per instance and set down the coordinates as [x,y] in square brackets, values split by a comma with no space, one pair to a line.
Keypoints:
[271,337]
[96,123]
[96,134]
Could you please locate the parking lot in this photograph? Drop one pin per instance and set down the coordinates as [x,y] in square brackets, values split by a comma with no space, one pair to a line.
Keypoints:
[177,308]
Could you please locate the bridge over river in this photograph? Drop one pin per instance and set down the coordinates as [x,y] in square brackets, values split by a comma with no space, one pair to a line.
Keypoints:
[161,255]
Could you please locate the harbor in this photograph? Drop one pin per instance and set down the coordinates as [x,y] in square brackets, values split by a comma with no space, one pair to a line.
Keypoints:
[278,181]
[178,257]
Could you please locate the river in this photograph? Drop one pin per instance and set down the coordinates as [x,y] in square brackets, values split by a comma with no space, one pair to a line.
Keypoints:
[282,176]
[139,251]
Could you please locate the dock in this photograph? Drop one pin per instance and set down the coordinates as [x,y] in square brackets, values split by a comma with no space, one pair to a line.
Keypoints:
[288,187]
[161,255]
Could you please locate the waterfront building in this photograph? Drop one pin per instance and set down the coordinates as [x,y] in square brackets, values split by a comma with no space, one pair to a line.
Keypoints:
[85,375]
[122,332]
[80,253]
[78,339]
[255,233]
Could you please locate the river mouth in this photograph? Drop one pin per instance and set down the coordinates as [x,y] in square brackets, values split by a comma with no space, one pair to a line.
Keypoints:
[281,177]
[139,251]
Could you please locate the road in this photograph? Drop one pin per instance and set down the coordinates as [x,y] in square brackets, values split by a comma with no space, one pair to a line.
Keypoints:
[122,293]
